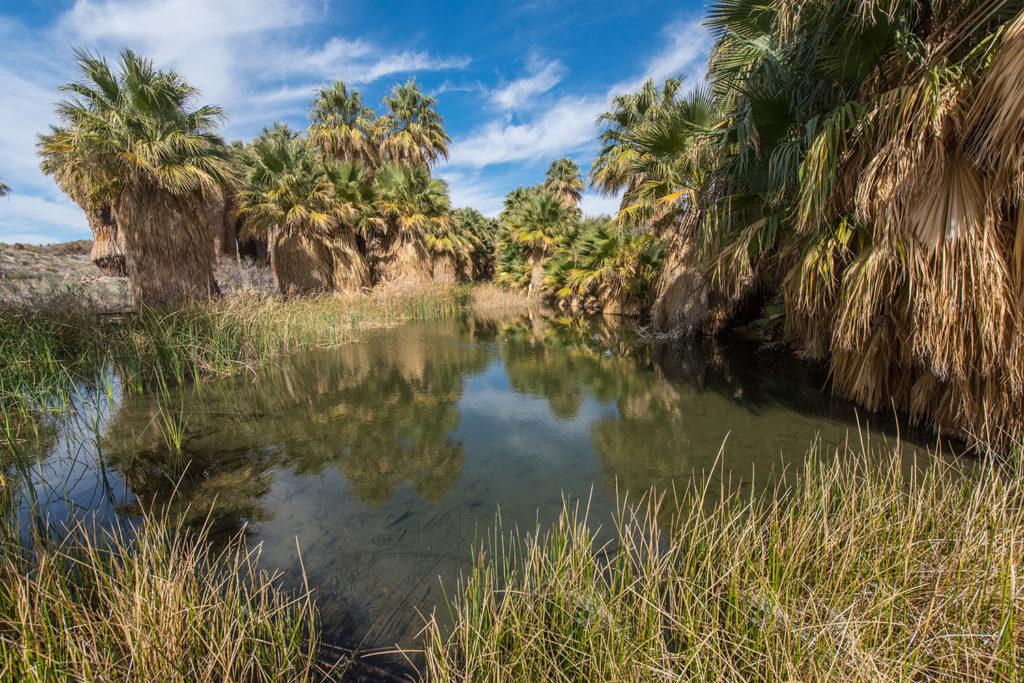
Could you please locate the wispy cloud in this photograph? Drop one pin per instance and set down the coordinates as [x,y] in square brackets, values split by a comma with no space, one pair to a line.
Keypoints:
[567,124]
[521,93]
[597,204]
[564,127]
[235,50]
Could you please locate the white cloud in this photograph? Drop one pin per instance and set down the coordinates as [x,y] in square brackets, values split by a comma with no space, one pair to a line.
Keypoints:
[486,195]
[685,53]
[567,124]
[565,127]
[234,51]
[40,220]
[521,93]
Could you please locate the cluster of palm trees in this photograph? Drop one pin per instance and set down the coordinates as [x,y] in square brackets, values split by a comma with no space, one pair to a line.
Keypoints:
[349,205]
[546,247]
[859,162]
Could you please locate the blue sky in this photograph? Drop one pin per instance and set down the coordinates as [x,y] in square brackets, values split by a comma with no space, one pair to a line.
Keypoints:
[518,83]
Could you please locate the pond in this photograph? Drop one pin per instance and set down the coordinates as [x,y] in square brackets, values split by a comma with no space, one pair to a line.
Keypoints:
[387,460]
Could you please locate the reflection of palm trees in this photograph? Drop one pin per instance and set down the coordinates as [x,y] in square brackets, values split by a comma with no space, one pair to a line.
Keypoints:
[380,411]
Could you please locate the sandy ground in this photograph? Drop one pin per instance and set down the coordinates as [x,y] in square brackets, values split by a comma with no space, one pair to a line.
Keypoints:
[58,277]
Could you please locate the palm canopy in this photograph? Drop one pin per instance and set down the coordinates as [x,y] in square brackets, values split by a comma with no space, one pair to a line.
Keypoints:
[412,132]
[657,151]
[870,155]
[285,186]
[610,171]
[541,222]
[4,188]
[135,126]
[342,126]
[131,137]
[564,179]
[409,200]
[611,264]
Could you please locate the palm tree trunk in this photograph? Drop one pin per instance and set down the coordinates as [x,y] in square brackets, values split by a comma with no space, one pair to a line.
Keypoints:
[407,261]
[167,244]
[107,251]
[221,224]
[446,269]
[536,260]
[301,265]
[350,273]
[688,302]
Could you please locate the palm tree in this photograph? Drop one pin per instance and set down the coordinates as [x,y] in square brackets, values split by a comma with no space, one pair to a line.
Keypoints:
[611,172]
[342,126]
[612,266]
[565,180]
[482,234]
[93,194]
[409,206]
[309,208]
[870,171]
[4,189]
[412,132]
[133,130]
[539,225]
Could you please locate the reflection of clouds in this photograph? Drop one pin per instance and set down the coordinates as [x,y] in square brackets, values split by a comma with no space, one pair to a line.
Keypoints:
[524,426]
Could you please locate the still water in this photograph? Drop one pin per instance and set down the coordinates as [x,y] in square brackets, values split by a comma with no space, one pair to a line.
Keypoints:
[386,460]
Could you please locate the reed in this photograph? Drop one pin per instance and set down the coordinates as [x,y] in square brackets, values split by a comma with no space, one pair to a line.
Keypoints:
[147,603]
[857,571]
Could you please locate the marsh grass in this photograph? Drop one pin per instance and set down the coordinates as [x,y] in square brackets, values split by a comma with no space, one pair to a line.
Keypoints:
[148,603]
[44,354]
[853,571]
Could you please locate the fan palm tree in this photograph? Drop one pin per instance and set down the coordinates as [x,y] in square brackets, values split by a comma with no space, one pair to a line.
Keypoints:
[540,226]
[611,172]
[871,156]
[409,206]
[4,189]
[309,208]
[132,132]
[613,266]
[412,132]
[93,194]
[342,126]
[565,181]
[482,233]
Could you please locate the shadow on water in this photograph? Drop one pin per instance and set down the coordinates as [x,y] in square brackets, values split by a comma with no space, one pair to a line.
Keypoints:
[386,460]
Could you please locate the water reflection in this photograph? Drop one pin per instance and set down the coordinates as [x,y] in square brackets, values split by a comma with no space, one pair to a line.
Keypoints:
[385,460]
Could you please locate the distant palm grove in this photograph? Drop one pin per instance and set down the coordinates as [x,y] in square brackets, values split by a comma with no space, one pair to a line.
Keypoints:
[848,180]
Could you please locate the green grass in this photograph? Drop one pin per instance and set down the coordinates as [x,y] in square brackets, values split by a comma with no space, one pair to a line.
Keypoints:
[857,572]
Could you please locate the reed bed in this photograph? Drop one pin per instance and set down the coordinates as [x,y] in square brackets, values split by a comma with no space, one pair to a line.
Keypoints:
[149,603]
[41,352]
[856,571]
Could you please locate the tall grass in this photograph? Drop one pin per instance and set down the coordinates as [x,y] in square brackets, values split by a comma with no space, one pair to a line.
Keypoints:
[40,353]
[147,604]
[855,572]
